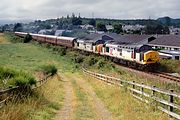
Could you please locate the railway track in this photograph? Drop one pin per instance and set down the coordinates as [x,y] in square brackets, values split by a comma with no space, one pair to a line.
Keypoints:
[156,73]
[166,75]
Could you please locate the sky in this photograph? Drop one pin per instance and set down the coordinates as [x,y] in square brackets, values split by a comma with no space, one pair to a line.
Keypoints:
[24,10]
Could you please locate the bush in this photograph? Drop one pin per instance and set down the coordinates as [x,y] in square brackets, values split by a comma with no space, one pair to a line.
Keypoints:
[169,66]
[16,78]
[62,51]
[100,64]
[27,38]
[49,69]
[79,59]
[13,38]
[90,61]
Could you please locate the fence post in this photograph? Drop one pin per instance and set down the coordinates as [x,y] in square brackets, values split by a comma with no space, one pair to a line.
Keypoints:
[133,86]
[153,91]
[142,89]
[171,101]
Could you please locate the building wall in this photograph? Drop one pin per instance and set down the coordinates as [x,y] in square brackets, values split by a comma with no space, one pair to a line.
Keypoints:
[165,47]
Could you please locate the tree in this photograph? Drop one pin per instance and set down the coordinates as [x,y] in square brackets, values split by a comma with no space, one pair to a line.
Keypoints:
[28,38]
[117,28]
[18,27]
[156,29]
[92,22]
[101,27]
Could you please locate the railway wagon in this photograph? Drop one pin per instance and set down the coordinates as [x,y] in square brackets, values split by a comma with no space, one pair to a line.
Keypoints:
[66,41]
[51,39]
[21,34]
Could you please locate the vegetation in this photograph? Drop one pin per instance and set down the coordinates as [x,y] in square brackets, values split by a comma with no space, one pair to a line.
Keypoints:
[47,100]
[125,109]
[18,27]
[101,27]
[48,69]
[84,110]
[170,66]
[41,105]
[157,29]
[12,38]
[15,78]
[117,28]
[28,38]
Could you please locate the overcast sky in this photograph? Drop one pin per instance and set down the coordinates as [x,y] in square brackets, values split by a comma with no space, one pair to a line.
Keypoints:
[120,9]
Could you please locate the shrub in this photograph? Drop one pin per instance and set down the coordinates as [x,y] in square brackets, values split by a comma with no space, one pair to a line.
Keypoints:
[14,39]
[16,78]
[79,59]
[100,63]
[62,51]
[49,69]
[90,61]
[169,66]
[27,38]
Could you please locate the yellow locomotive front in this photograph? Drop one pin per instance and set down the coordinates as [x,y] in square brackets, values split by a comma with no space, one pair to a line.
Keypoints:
[151,57]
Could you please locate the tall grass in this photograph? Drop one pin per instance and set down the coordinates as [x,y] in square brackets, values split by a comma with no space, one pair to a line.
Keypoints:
[10,77]
[170,66]
[41,105]
[122,105]
[49,69]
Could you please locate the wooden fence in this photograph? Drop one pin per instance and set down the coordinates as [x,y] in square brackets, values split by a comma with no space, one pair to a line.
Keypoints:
[9,92]
[166,100]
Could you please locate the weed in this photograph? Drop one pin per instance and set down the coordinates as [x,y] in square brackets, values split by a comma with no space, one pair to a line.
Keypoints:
[49,69]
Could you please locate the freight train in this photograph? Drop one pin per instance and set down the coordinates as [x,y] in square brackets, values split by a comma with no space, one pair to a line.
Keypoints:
[133,55]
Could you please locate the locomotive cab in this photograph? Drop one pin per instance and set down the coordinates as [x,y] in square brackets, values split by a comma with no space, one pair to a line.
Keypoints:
[151,57]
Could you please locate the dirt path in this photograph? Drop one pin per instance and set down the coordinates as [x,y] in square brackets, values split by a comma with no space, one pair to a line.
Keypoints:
[66,113]
[100,110]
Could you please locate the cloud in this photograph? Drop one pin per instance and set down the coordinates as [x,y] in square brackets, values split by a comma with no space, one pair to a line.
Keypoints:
[121,9]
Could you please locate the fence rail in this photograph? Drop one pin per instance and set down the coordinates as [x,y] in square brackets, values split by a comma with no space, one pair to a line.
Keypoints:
[173,108]
[7,91]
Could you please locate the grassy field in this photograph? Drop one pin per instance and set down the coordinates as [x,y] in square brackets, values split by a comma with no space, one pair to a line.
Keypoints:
[3,39]
[46,101]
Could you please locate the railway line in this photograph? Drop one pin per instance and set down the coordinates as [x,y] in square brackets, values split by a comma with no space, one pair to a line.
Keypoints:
[166,75]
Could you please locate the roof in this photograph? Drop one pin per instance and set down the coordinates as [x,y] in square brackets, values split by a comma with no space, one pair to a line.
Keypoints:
[167,40]
[119,39]
[131,38]
[172,52]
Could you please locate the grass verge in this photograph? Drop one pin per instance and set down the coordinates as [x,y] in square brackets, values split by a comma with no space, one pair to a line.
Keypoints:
[43,105]
[122,105]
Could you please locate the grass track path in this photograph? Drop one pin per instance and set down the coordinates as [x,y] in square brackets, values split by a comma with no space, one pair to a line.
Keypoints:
[66,113]
[101,111]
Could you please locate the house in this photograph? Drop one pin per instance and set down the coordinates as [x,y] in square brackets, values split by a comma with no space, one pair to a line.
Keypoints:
[59,32]
[174,31]
[87,27]
[166,42]
[109,27]
[170,54]
[46,32]
[129,28]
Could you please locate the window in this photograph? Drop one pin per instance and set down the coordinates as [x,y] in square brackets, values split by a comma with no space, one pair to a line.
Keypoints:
[176,57]
[107,49]
[175,48]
